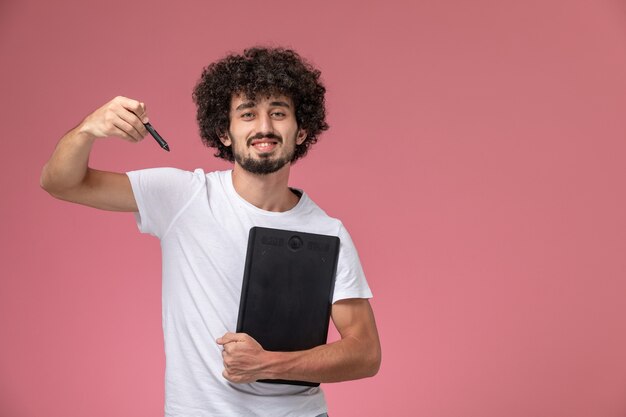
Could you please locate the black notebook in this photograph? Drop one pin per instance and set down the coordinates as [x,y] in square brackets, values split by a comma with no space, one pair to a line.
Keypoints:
[287,290]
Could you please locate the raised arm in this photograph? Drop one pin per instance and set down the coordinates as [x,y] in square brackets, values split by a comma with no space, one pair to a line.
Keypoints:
[67,175]
[356,355]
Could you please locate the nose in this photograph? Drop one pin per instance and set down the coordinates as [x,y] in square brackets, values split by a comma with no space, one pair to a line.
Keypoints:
[264,124]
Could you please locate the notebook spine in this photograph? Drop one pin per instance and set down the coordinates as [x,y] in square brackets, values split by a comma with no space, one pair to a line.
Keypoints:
[244,286]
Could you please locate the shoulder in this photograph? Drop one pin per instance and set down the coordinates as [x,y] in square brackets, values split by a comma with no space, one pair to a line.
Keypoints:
[160,173]
[176,176]
[214,177]
[160,182]
[333,225]
[319,218]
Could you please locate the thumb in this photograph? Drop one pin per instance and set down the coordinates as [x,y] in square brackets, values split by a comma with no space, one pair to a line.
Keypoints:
[227,338]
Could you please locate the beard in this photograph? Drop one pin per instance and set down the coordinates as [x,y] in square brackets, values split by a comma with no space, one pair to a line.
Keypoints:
[262,166]
[265,165]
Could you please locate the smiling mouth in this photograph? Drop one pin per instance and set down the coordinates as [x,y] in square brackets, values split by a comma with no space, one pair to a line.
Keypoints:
[264,145]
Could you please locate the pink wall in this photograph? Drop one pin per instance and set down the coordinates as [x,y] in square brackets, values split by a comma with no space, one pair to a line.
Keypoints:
[476,154]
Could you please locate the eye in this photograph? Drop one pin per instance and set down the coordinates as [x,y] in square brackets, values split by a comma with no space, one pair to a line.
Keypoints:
[247,115]
[278,114]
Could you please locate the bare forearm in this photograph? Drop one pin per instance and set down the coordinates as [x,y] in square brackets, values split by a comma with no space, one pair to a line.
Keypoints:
[344,360]
[356,355]
[67,176]
[68,165]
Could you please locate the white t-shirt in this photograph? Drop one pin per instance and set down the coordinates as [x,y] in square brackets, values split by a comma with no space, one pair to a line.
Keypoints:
[203,225]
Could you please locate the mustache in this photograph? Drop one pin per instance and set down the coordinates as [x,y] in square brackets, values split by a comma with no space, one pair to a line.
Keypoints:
[261,135]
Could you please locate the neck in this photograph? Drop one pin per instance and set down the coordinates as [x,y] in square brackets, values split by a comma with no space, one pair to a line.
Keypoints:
[268,192]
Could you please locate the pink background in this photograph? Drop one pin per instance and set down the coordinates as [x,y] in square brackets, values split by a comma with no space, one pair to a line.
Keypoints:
[476,154]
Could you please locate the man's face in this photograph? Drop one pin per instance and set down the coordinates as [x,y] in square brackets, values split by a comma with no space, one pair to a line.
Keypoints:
[263,133]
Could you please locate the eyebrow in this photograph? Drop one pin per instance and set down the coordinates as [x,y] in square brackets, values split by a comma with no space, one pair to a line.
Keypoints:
[251,104]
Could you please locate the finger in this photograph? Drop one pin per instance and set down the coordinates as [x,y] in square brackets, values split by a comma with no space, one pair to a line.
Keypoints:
[117,132]
[128,114]
[134,106]
[135,122]
[227,338]
[142,113]
[227,348]
[128,129]
[132,111]
[229,376]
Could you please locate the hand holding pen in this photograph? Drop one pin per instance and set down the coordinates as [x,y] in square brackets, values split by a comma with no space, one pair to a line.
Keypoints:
[122,117]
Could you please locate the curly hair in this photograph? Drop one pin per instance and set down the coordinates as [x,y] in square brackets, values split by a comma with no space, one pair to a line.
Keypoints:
[258,72]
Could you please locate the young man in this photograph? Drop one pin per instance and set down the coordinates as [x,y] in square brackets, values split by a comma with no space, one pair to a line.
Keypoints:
[262,110]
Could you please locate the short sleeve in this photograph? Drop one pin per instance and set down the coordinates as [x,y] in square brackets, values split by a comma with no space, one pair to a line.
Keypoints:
[350,279]
[161,195]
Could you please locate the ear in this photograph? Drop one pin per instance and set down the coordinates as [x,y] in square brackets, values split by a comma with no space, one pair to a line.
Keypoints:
[225,139]
[301,137]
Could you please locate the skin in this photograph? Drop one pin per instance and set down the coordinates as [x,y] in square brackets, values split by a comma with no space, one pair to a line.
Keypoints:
[67,176]
[249,118]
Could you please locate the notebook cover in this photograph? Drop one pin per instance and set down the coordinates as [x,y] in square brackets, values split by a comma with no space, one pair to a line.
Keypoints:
[287,290]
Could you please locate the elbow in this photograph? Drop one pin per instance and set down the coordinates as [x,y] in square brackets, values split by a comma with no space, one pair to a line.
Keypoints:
[47,183]
[376,363]
[44,182]
[373,362]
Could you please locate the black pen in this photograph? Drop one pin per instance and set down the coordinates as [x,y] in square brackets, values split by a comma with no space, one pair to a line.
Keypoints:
[162,143]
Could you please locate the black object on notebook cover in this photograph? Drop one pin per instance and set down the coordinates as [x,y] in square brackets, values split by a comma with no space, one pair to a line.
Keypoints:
[287,290]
